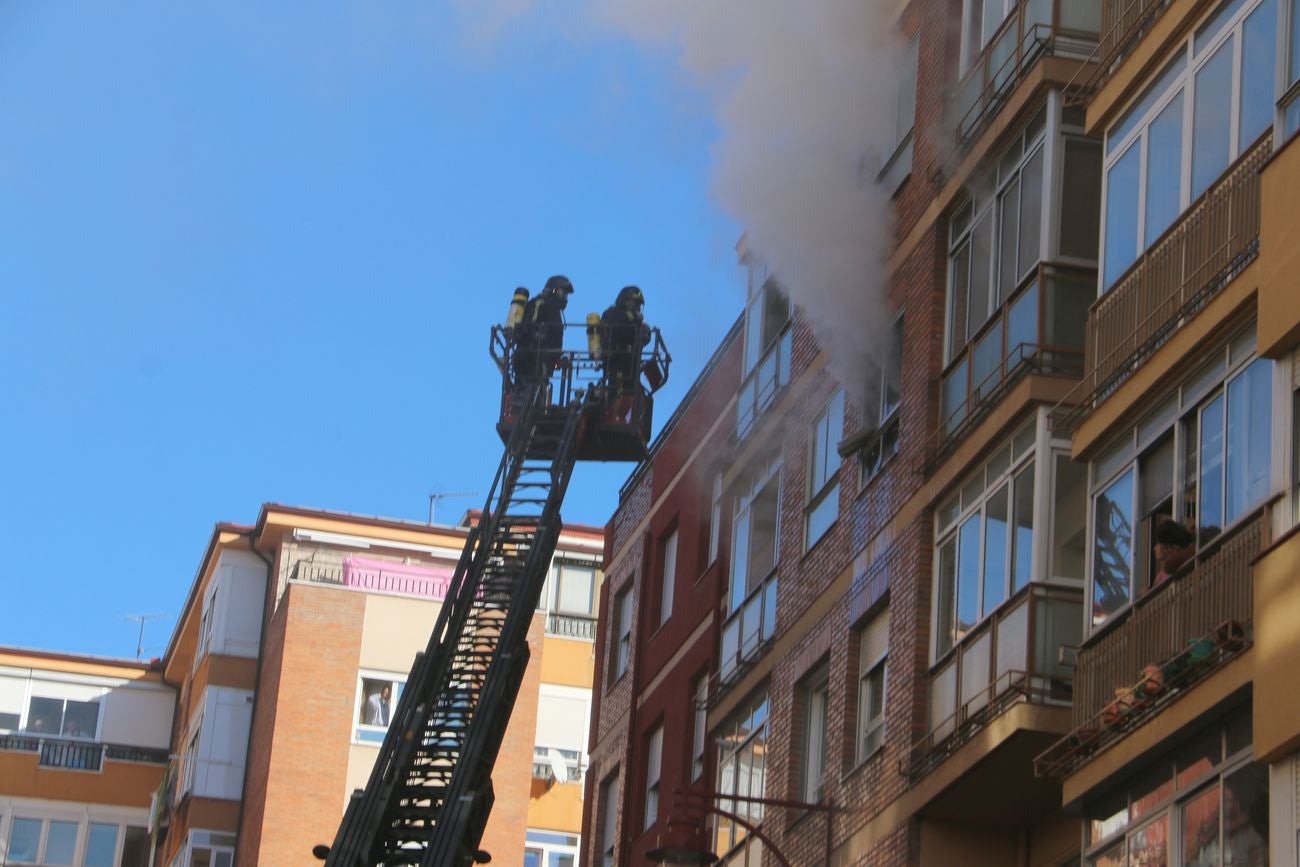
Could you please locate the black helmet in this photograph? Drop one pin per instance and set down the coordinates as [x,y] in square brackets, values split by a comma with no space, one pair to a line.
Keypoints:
[630,295]
[559,284]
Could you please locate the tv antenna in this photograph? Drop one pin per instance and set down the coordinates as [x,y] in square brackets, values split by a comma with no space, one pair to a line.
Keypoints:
[446,495]
[141,619]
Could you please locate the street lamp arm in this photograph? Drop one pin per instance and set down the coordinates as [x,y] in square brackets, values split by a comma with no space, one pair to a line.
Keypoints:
[747,825]
[699,794]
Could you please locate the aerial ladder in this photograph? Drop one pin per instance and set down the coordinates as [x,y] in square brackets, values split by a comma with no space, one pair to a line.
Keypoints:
[429,795]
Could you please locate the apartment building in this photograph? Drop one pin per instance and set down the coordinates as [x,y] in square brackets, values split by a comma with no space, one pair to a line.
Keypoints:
[1030,600]
[83,746]
[1184,727]
[289,658]
[658,641]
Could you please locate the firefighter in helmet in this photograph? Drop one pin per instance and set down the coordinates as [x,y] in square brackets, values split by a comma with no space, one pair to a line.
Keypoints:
[539,337]
[625,335]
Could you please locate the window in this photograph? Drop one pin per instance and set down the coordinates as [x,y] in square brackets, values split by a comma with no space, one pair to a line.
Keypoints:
[882,406]
[995,238]
[715,518]
[824,470]
[622,649]
[377,696]
[63,717]
[1209,104]
[191,759]
[1205,804]
[980,22]
[653,764]
[899,164]
[813,764]
[1291,105]
[1200,457]
[571,587]
[206,624]
[767,348]
[40,841]
[986,533]
[608,819]
[873,651]
[755,532]
[699,730]
[669,581]
[550,849]
[1295,455]
[560,741]
[742,769]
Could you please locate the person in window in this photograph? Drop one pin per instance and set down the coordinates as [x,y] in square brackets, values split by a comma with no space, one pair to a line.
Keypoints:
[625,335]
[539,337]
[377,707]
[1174,546]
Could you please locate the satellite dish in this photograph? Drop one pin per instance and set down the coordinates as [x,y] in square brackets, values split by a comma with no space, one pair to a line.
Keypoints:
[559,767]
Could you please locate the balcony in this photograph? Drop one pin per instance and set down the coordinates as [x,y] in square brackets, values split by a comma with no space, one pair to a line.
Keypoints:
[747,632]
[1039,331]
[1170,639]
[1176,277]
[1011,658]
[383,576]
[580,626]
[551,765]
[1036,29]
[764,383]
[78,755]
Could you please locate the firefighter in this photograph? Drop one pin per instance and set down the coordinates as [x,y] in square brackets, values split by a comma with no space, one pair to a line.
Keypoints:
[539,337]
[625,335]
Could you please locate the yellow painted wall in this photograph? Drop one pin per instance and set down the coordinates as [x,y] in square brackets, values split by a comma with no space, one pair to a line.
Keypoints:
[1279,254]
[568,662]
[558,808]
[1277,650]
[127,784]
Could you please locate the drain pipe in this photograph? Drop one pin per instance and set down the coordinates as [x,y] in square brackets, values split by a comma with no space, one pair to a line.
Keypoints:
[257,682]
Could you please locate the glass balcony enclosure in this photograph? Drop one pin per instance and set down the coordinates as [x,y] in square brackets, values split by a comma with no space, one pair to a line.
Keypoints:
[1022,250]
[1009,567]
[1001,41]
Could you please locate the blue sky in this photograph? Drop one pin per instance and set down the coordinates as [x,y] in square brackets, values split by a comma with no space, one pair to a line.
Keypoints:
[251,252]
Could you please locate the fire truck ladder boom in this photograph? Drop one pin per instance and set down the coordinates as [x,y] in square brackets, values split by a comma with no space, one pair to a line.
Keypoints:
[430,792]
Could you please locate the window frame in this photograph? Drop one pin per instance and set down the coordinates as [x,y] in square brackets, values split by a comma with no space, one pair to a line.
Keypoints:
[870,728]
[608,835]
[654,753]
[815,695]
[621,647]
[884,443]
[985,200]
[668,551]
[745,731]
[1021,459]
[370,734]
[699,724]
[1177,413]
[824,466]
[1146,107]
[755,485]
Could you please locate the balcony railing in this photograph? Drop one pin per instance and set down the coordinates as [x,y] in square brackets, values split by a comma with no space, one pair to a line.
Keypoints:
[1159,625]
[1193,261]
[571,625]
[78,755]
[1040,331]
[1037,28]
[764,383]
[747,632]
[365,574]
[1012,657]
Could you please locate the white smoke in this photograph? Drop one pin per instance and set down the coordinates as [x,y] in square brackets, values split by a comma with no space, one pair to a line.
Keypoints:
[804,97]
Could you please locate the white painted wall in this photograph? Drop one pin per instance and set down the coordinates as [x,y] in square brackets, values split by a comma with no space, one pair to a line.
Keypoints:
[237,591]
[138,716]
[1284,812]
[131,712]
[223,742]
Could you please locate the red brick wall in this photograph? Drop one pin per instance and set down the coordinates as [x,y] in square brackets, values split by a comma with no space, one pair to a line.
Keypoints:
[306,703]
